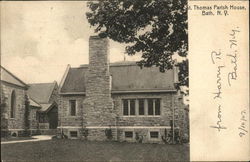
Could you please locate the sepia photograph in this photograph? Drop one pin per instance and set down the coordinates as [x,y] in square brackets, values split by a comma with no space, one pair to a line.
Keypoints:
[94,80]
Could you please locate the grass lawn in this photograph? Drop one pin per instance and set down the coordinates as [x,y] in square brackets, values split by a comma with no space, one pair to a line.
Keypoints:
[73,150]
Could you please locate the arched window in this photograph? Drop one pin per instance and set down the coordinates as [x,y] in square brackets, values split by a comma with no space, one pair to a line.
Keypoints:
[13,104]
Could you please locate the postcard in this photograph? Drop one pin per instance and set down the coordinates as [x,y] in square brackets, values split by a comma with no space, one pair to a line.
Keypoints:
[125,80]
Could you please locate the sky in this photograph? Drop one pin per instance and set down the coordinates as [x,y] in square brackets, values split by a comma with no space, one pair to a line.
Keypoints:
[39,39]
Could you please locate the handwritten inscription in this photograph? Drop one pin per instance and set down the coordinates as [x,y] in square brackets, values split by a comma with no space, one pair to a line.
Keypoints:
[218,124]
[225,68]
[232,75]
[243,124]
[233,44]
[216,57]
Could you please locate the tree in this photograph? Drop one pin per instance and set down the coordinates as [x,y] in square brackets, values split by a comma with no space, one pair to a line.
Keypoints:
[155,28]
[26,116]
[4,115]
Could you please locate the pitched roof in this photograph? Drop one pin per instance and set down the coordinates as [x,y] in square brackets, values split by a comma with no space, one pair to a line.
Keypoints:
[75,80]
[47,107]
[33,103]
[8,77]
[41,92]
[126,77]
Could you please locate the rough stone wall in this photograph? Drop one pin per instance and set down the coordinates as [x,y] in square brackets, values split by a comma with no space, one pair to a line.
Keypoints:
[33,118]
[144,120]
[147,123]
[18,121]
[4,109]
[98,104]
[98,110]
[144,123]
[64,115]
[144,135]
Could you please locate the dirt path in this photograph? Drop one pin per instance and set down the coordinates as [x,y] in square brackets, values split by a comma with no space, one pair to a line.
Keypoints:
[36,138]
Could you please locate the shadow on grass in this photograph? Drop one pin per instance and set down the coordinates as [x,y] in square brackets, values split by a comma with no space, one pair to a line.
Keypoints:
[75,150]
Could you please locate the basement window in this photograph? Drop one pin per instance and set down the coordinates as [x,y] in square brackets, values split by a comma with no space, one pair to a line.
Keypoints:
[73,133]
[129,134]
[154,134]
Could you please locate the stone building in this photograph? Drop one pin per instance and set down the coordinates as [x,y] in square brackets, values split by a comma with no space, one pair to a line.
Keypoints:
[118,101]
[44,98]
[13,92]
[42,101]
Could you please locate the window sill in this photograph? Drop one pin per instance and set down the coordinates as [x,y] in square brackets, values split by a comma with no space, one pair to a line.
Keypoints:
[143,116]
[154,139]
[72,116]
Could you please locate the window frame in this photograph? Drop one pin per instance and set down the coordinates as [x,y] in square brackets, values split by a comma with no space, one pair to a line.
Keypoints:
[145,107]
[155,100]
[144,112]
[70,110]
[129,107]
[70,134]
[128,132]
[154,106]
[154,131]
[13,104]
[134,100]
[123,107]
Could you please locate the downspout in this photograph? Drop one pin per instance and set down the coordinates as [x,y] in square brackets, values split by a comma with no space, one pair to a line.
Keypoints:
[116,129]
[173,123]
[176,80]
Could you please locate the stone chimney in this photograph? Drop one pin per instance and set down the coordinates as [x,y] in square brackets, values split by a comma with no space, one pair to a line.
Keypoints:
[98,104]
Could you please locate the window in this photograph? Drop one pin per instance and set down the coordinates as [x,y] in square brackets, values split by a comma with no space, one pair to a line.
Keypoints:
[125,107]
[129,107]
[73,133]
[154,134]
[154,106]
[141,107]
[132,107]
[157,107]
[129,134]
[13,104]
[150,107]
[72,105]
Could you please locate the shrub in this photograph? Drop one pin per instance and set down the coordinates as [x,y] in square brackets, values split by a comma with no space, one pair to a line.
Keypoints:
[14,134]
[85,132]
[54,137]
[138,138]
[108,133]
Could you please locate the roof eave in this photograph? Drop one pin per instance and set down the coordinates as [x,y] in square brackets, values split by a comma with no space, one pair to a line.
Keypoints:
[25,85]
[63,78]
[144,91]
[125,91]
[72,93]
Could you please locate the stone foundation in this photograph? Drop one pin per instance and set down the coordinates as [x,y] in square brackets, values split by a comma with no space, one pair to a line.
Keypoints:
[139,134]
